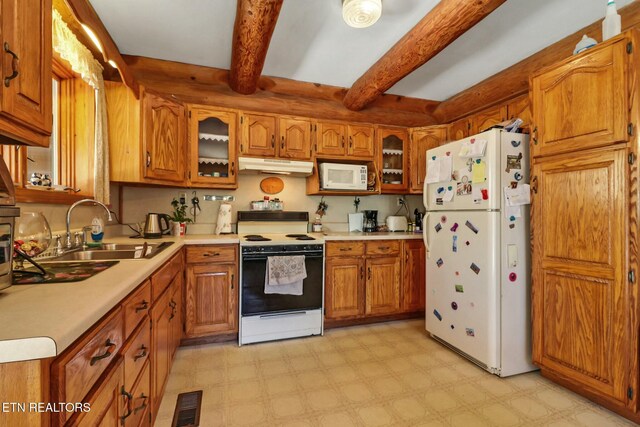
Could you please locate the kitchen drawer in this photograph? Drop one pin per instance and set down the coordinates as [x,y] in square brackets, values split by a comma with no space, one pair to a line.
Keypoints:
[196,254]
[347,248]
[162,278]
[81,365]
[135,307]
[140,403]
[136,354]
[383,247]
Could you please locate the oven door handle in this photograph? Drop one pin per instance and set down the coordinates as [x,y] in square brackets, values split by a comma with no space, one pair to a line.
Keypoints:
[291,313]
[262,257]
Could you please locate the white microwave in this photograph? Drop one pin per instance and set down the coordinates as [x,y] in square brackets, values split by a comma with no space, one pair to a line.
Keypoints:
[342,176]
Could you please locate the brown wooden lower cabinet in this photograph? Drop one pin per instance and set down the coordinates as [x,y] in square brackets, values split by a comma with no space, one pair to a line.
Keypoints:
[108,402]
[373,280]
[161,346]
[580,301]
[413,285]
[344,287]
[211,291]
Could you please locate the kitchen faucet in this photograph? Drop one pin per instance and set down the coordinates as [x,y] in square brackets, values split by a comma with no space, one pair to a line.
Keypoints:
[69,245]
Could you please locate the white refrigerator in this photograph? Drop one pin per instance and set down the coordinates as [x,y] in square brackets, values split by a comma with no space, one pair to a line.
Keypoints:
[478,286]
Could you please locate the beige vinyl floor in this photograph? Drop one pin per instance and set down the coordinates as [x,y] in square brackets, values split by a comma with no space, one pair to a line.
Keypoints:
[375,375]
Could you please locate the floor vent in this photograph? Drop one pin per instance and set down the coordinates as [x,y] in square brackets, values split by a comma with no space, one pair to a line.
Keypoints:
[187,413]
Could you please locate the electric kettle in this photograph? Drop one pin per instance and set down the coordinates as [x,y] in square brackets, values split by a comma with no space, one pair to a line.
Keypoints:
[153,228]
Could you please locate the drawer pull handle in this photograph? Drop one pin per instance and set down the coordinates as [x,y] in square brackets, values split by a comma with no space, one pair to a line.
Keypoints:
[142,306]
[144,404]
[172,304]
[129,397]
[143,353]
[14,65]
[96,359]
[208,254]
[345,249]
[384,248]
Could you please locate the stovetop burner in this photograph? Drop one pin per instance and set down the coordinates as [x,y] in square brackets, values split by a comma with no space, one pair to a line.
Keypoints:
[300,237]
[256,238]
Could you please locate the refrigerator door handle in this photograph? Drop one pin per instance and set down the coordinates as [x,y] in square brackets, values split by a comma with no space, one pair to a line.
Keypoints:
[425,238]
[424,194]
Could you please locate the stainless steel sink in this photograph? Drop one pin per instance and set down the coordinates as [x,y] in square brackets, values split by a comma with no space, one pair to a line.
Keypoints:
[116,251]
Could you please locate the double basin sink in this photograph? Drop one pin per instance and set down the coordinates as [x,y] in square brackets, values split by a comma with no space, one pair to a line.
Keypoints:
[115,251]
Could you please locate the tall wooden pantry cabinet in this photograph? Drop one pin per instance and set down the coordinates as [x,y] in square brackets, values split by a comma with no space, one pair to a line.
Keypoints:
[584,222]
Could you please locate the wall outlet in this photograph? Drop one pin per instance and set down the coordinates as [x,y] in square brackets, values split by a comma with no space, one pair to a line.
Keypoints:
[183,198]
[401,201]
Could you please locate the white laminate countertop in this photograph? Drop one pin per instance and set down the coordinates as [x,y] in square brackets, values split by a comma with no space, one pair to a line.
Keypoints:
[40,321]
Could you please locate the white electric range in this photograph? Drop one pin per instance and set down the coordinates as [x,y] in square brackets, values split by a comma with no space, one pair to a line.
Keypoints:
[268,317]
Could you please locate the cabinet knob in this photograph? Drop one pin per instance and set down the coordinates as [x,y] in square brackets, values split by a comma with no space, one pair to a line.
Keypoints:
[14,65]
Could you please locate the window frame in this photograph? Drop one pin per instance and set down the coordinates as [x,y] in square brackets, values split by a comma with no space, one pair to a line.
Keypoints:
[72,104]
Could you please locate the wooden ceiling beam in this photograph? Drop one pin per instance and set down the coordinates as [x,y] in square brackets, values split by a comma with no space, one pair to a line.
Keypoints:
[514,81]
[447,21]
[85,14]
[210,86]
[254,25]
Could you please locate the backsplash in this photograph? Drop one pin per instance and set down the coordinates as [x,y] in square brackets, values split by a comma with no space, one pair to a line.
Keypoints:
[138,201]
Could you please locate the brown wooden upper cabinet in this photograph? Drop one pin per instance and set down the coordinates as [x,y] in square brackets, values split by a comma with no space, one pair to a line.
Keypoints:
[339,139]
[459,129]
[26,98]
[295,138]
[212,144]
[487,118]
[163,137]
[147,137]
[582,102]
[264,135]
[393,159]
[423,139]
[520,107]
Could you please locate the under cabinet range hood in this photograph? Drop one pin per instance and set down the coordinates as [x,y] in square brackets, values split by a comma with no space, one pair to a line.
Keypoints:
[274,166]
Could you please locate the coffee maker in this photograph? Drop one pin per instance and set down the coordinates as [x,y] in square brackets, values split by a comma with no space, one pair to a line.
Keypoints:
[370,221]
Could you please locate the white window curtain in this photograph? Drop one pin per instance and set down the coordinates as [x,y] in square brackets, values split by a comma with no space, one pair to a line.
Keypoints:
[83,63]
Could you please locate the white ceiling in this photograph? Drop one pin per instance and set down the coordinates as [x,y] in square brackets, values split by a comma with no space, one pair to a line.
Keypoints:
[311,42]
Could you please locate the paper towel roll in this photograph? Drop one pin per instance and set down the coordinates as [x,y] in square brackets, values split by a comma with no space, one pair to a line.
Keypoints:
[223,225]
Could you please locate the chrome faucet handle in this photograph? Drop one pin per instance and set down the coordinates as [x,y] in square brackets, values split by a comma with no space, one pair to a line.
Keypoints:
[77,239]
[85,239]
[57,243]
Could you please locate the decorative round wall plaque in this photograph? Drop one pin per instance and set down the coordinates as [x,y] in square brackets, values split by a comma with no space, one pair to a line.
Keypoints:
[272,185]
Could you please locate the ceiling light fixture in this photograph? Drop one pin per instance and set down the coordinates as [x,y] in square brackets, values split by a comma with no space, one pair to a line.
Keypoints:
[361,13]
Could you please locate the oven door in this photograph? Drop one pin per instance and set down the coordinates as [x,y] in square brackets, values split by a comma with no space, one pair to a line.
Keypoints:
[255,301]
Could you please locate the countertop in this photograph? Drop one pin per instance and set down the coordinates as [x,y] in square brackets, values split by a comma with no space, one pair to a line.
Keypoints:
[40,321]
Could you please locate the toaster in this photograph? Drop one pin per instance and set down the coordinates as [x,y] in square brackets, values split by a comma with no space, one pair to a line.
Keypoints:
[397,223]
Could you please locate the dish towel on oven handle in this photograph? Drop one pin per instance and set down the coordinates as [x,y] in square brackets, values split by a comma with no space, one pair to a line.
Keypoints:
[284,275]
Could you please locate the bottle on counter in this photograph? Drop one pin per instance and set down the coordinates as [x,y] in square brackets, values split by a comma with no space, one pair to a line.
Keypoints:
[612,23]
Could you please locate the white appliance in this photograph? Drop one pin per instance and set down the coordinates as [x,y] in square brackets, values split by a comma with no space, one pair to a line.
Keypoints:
[274,166]
[343,176]
[267,316]
[397,223]
[478,261]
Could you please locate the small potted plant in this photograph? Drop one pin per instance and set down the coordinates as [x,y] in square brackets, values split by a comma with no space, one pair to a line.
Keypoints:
[179,218]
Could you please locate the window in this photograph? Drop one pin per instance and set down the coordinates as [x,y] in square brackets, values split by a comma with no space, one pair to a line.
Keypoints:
[62,172]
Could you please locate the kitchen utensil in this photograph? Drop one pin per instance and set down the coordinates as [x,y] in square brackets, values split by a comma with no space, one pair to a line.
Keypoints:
[370,221]
[272,185]
[153,228]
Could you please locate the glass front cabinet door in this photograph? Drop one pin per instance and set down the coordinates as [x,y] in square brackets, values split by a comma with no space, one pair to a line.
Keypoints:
[393,159]
[212,138]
